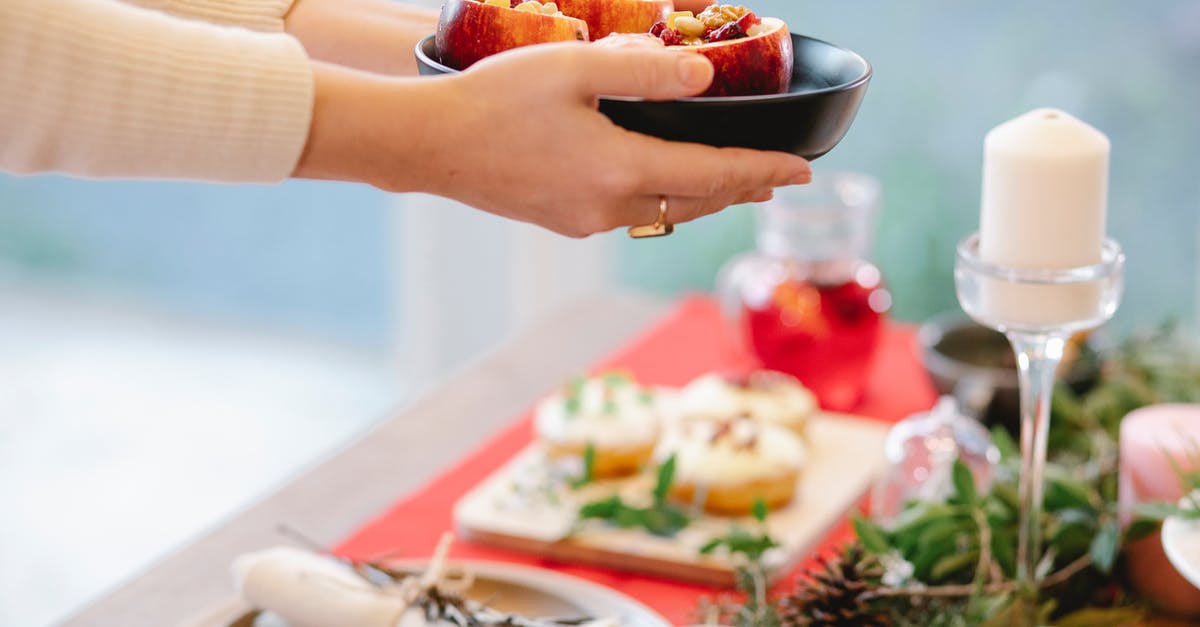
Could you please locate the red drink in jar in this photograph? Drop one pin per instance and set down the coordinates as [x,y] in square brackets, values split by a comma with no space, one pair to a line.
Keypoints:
[807,302]
[823,334]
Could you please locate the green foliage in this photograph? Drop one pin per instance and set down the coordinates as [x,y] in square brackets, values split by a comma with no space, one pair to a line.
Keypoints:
[962,551]
[759,510]
[661,518]
[741,542]
[756,611]
[1104,547]
[589,467]
[872,537]
[573,400]
[617,378]
[964,485]
[666,476]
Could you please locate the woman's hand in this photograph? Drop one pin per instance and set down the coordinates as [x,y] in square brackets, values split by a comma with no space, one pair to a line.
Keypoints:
[538,150]
[519,135]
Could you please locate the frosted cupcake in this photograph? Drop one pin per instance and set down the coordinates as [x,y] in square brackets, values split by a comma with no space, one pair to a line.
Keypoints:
[727,465]
[765,395]
[611,413]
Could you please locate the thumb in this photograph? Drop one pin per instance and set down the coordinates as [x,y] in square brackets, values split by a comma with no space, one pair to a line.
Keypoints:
[640,71]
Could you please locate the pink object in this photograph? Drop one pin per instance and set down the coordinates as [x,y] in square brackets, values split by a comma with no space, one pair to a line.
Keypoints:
[1150,437]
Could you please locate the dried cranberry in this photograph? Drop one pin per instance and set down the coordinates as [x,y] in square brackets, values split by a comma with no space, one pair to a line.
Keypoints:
[672,37]
[512,4]
[748,21]
[729,31]
[734,30]
[658,28]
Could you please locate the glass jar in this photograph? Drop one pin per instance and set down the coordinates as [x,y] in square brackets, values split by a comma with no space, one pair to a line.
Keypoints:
[808,302]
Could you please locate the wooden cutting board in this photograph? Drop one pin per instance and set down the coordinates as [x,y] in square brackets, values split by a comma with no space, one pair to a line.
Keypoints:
[516,508]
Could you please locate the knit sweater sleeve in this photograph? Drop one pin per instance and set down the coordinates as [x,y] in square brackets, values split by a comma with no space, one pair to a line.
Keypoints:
[260,15]
[100,88]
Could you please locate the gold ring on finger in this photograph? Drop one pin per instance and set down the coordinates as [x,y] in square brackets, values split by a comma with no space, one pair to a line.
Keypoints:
[658,228]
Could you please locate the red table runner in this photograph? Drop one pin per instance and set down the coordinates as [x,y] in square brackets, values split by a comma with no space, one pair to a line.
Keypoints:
[686,343]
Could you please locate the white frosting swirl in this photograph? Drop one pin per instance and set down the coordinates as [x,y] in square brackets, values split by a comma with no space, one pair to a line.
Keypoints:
[768,396]
[731,452]
[609,412]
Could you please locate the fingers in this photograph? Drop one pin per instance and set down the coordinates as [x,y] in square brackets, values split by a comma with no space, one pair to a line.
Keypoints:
[640,70]
[678,169]
[641,41]
[680,209]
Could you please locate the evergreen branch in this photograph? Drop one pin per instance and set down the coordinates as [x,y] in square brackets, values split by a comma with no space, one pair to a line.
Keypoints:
[966,590]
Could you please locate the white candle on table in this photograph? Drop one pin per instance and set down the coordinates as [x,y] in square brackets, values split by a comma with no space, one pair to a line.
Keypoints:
[1045,189]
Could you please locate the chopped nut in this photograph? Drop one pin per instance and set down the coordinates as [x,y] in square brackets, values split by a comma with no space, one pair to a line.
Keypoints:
[530,6]
[550,8]
[675,16]
[689,26]
[717,15]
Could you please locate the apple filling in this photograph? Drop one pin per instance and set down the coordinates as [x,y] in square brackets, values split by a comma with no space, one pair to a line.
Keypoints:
[716,23]
[529,6]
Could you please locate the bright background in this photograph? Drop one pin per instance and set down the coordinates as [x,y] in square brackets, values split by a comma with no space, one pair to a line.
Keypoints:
[169,352]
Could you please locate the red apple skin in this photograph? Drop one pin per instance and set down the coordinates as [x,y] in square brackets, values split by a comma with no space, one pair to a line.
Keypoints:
[605,17]
[469,31]
[749,66]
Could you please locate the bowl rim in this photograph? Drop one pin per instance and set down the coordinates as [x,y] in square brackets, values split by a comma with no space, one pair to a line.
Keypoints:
[851,85]
[930,334]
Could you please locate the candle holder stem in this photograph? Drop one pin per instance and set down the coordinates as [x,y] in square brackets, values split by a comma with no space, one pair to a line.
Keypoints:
[1038,357]
[1037,309]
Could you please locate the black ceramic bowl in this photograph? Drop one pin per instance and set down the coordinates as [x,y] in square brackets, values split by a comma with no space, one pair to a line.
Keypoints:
[977,366]
[828,83]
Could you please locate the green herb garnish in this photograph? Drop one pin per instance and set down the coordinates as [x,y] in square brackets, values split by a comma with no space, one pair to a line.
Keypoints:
[759,510]
[617,378]
[646,396]
[661,518]
[666,476]
[589,468]
[573,399]
[740,541]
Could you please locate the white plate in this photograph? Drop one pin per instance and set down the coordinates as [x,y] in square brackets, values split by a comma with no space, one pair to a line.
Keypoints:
[1181,542]
[510,588]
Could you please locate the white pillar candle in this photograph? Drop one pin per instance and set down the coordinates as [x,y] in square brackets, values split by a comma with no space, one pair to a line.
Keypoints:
[1045,188]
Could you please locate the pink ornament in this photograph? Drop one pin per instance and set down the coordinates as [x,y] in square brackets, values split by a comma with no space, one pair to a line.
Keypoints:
[1150,438]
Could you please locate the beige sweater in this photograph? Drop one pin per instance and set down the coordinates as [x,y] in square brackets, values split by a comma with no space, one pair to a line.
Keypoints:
[169,89]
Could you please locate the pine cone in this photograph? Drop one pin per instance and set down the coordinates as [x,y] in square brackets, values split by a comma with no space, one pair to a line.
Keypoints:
[834,594]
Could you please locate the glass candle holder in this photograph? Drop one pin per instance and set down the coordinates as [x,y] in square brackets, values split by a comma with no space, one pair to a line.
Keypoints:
[808,301]
[1038,309]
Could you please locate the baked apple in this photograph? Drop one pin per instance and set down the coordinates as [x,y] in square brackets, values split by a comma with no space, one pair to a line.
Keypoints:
[750,55]
[604,17]
[469,30]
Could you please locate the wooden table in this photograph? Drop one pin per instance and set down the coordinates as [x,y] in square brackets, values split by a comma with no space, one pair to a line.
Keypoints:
[342,492]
